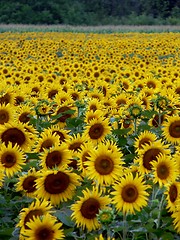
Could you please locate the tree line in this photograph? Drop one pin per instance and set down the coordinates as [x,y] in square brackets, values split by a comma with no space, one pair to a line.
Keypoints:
[90,12]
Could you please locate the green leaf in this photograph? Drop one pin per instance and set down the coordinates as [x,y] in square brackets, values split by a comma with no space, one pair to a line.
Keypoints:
[59,54]
[120,132]
[74,122]
[148,114]
[6,232]
[122,141]
[167,236]
[64,215]
[70,112]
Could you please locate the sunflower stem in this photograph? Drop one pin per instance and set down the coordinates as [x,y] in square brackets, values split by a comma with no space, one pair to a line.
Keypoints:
[160,211]
[125,226]
[135,125]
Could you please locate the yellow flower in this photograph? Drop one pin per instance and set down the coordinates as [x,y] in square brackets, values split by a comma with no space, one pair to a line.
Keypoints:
[85,210]
[12,159]
[27,183]
[145,137]
[105,164]
[171,129]
[36,208]
[164,169]
[55,156]
[148,153]
[130,194]
[43,227]
[97,129]
[176,217]
[16,133]
[57,186]
[172,195]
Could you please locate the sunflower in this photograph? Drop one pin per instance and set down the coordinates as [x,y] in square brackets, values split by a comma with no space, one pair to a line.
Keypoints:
[171,129]
[164,169]
[57,186]
[27,183]
[145,137]
[176,217]
[152,83]
[6,94]
[74,145]
[130,194]
[12,159]
[46,140]
[94,104]
[121,100]
[82,156]
[157,120]
[103,238]
[104,165]
[16,134]
[36,208]
[43,108]
[176,158]
[97,129]
[2,175]
[90,115]
[56,156]
[65,111]
[5,113]
[43,228]
[85,209]
[63,134]
[172,195]
[23,113]
[148,153]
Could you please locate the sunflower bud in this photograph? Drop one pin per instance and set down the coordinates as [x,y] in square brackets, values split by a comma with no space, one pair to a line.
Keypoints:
[135,110]
[106,216]
[161,102]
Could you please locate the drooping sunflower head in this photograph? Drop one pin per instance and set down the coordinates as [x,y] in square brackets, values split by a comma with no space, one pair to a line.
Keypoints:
[85,210]
[130,194]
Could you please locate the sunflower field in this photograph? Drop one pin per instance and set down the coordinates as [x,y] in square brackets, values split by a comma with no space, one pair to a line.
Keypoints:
[90,136]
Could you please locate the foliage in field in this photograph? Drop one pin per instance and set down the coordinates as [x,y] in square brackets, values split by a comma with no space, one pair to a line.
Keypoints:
[90,136]
[94,12]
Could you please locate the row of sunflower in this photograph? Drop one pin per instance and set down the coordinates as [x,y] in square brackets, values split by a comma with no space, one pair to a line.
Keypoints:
[90,136]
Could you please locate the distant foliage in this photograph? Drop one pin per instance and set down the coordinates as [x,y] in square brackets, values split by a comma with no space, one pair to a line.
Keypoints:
[93,12]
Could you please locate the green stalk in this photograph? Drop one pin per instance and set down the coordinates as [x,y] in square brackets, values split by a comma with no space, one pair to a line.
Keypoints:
[125,226]
[160,211]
